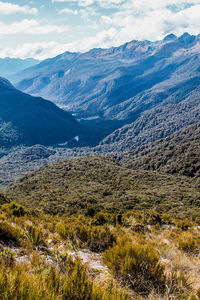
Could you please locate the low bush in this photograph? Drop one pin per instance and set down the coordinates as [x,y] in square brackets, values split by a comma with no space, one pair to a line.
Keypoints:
[17,209]
[7,256]
[3,199]
[13,209]
[83,234]
[104,218]
[183,224]
[136,264]
[36,237]
[49,282]
[10,234]
[188,243]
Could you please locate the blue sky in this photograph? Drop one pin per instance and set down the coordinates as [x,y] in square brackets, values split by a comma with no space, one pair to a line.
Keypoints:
[46,28]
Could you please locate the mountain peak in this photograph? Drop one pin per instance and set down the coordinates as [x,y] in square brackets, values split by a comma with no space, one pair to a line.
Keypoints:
[187,38]
[170,37]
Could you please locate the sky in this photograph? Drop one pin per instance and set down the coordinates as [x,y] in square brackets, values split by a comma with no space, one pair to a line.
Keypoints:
[45,28]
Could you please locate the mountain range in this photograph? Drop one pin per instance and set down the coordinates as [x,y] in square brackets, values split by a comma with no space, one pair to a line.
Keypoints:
[118,83]
[119,101]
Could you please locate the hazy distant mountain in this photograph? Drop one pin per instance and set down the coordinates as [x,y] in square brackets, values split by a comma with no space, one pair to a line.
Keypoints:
[119,83]
[29,120]
[41,73]
[10,66]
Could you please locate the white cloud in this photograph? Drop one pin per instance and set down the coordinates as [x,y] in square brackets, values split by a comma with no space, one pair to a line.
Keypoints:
[131,19]
[9,9]
[68,11]
[153,22]
[122,27]
[101,3]
[51,49]
[79,2]
[142,5]
[36,50]
[29,27]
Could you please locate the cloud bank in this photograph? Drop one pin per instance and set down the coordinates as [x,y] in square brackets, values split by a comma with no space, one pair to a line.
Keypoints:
[110,23]
[10,9]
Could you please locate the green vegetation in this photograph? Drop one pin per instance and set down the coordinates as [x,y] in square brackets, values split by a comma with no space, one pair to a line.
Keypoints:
[189,243]
[2,199]
[44,282]
[98,184]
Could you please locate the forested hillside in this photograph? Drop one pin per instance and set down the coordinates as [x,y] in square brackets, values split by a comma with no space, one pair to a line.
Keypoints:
[155,124]
[177,154]
[100,184]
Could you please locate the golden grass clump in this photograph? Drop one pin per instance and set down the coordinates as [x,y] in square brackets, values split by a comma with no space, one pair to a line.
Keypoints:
[136,264]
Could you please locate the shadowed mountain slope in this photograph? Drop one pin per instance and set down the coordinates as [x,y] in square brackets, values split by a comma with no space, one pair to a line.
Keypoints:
[29,120]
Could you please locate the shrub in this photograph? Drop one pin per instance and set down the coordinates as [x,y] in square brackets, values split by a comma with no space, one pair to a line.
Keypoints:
[7,256]
[155,219]
[35,236]
[188,244]
[136,264]
[83,234]
[183,224]
[17,209]
[77,284]
[3,199]
[10,234]
[100,238]
[111,291]
[102,218]
[14,209]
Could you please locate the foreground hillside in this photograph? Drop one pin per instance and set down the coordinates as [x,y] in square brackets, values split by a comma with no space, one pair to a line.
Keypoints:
[178,153]
[105,257]
[29,120]
[100,184]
